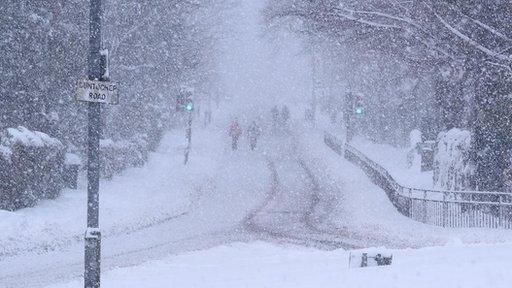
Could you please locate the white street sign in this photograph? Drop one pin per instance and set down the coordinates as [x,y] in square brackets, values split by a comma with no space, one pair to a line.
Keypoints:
[97,91]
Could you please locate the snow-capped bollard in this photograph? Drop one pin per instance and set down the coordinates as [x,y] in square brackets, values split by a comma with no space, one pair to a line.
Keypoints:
[72,165]
[92,258]
[365,259]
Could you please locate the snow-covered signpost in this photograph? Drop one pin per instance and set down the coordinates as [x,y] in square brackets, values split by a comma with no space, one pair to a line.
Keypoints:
[97,91]
[94,91]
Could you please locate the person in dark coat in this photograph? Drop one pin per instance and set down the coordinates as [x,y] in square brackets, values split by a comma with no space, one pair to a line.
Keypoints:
[234,132]
[253,132]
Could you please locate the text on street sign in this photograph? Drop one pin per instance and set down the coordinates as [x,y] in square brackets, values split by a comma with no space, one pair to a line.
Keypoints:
[97,91]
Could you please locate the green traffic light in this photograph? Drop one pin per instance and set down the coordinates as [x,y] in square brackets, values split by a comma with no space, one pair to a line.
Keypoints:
[189,106]
[359,110]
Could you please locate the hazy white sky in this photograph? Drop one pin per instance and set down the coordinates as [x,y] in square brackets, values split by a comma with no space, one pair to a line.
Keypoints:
[257,70]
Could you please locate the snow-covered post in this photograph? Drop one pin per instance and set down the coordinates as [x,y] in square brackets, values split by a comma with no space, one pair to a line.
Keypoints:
[500,212]
[425,218]
[445,209]
[409,208]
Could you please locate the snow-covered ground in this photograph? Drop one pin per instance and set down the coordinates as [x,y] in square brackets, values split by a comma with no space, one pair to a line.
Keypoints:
[364,212]
[161,208]
[343,209]
[394,159]
[166,224]
[137,198]
[262,264]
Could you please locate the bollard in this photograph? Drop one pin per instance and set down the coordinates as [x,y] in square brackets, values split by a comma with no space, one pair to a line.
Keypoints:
[70,176]
[364,260]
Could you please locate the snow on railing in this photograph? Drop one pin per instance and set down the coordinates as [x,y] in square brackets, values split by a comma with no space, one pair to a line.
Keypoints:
[436,207]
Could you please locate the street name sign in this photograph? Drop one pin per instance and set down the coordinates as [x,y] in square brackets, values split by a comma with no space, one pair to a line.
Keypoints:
[97,91]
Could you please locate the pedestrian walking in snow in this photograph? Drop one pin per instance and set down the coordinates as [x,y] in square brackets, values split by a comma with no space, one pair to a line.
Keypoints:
[275,117]
[234,132]
[285,115]
[253,133]
[207,117]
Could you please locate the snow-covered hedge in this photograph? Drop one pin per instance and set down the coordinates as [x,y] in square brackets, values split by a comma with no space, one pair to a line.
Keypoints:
[452,168]
[119,155]
[31,165]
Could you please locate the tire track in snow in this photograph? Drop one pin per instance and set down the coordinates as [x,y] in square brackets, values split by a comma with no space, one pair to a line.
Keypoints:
[304,231]
[322,226]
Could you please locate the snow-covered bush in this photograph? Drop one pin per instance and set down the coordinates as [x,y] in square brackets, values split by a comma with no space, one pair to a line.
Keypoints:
[119,155]
[452,168]
[31,165]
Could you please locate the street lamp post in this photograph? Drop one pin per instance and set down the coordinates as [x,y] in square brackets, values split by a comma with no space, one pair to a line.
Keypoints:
[92,234]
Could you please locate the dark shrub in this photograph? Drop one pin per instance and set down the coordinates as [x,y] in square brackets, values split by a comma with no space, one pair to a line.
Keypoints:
[31,165]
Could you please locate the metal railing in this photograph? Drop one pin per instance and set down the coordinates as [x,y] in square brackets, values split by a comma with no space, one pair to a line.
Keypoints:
[435,207]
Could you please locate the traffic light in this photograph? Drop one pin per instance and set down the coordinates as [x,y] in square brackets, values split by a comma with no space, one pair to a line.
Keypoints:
[184,102]
[359,110]
[189,105]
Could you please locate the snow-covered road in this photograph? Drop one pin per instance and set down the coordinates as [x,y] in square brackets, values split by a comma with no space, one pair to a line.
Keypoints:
[285,192]
[296,209]
[248,195]
[270,194]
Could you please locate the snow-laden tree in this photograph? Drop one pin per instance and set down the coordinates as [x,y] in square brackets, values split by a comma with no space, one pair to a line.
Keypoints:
[451,58]
[155,47]
[452,166]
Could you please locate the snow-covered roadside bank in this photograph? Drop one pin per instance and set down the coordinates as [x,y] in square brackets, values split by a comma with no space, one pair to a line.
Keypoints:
[139,197]
[363,209]
[394,160]
[268,265]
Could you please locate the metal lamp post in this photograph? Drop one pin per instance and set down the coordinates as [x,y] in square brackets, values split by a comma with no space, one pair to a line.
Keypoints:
[92,234]
[95,90]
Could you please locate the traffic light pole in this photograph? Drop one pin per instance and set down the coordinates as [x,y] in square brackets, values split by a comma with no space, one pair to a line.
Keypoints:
[189,136]
[348,117]
[92,234]
[315,83]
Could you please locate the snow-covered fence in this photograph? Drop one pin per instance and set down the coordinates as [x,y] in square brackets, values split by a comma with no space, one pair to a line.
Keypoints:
[436,207]
[31,166]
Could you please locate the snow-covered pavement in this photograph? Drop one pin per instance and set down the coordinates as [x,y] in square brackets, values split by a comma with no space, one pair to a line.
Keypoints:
[394,160]
[137,198]
[262,264]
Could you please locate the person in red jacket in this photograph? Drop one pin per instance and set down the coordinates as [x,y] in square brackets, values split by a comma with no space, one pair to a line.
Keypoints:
[234,132]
